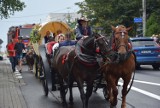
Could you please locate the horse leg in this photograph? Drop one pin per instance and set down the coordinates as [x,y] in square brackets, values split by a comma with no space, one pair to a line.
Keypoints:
[108,86]
[70,90]
[109,91]
[62,92]
[30,67]
[81,90]
[124,91]
[88,92]
[114,91]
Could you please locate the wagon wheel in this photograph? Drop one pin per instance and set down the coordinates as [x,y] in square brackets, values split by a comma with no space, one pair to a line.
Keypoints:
[97,82]
[105,93]
[36,66]
[43,79]
[95,87]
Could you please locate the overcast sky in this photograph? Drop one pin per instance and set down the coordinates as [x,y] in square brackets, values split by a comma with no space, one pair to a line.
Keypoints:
[36,11]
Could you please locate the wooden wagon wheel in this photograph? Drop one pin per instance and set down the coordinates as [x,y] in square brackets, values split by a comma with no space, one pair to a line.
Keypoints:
[97,82]
[43,79]
[45,72]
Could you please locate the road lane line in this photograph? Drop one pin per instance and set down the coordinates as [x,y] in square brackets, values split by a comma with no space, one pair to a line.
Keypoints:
[144,82]
[143,92]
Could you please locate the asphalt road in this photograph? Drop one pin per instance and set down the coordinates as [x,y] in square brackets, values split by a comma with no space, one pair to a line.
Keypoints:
[145,92]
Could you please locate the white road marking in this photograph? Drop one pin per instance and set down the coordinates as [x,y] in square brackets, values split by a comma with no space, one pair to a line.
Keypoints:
[146,82]
[143,92]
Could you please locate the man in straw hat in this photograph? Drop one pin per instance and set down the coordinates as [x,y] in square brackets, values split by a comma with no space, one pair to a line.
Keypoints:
[83,29]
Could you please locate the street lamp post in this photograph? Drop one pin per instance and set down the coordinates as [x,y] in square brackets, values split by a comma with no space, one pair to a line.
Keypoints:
[144,16]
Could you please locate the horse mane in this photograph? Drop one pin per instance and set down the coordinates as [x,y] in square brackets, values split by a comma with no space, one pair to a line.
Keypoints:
[88,41]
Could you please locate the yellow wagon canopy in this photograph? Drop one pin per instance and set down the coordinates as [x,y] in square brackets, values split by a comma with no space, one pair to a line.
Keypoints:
[53,27]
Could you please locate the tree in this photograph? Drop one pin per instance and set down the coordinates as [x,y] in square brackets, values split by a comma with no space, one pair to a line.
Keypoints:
[8,7]
[153,24]
[111,12]
[114,12]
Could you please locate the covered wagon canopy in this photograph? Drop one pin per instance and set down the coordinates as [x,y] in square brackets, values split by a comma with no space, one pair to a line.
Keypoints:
[53,27]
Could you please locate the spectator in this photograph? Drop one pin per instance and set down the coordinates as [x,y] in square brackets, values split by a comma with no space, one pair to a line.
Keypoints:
[19,47]
[83,29]
[11,54]
[158,39]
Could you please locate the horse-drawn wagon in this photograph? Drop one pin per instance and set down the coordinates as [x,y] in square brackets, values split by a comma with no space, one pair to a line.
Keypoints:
[73,64]
[37,38]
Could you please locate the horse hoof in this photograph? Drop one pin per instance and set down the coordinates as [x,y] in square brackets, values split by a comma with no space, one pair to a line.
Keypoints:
[111,106]
[64,104]
[123,106]
[71,103]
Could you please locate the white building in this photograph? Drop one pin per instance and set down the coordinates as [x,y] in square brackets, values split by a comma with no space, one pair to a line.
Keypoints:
[65,17]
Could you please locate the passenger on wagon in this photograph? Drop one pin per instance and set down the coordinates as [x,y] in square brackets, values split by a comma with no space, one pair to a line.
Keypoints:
[46,37]
[83,29]
[66,42]
[59,35]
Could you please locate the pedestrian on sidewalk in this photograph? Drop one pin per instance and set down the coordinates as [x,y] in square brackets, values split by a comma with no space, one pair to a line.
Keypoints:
[11,54]
[19,47]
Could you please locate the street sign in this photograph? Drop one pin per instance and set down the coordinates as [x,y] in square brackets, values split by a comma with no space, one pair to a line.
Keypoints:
[137,20]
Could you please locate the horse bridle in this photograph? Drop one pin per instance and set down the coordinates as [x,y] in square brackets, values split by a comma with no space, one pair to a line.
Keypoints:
[103,38]
[122,32]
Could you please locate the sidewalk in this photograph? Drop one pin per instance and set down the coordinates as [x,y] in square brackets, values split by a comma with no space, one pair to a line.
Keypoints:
[10,90]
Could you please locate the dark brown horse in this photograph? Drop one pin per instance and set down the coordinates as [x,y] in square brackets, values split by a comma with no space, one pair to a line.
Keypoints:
[80,65]
[122,65]
[30,59]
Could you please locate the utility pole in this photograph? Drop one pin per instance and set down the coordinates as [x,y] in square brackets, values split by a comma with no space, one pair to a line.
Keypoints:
[69,17]
[144,16]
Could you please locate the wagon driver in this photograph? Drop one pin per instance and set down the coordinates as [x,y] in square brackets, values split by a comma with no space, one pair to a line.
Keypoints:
[83,29]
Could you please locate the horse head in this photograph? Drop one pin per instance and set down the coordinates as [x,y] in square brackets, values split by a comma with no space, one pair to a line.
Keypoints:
[96,40]
[102,43]
[120,40]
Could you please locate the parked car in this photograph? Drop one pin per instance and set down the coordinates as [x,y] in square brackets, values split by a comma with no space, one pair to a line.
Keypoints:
[147,52]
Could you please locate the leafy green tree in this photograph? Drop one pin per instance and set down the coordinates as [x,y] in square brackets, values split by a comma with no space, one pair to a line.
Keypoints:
[8,7]
[153,24]
[114,12]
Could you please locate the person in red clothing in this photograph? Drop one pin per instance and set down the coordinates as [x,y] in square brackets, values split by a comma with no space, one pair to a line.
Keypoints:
[11,54]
